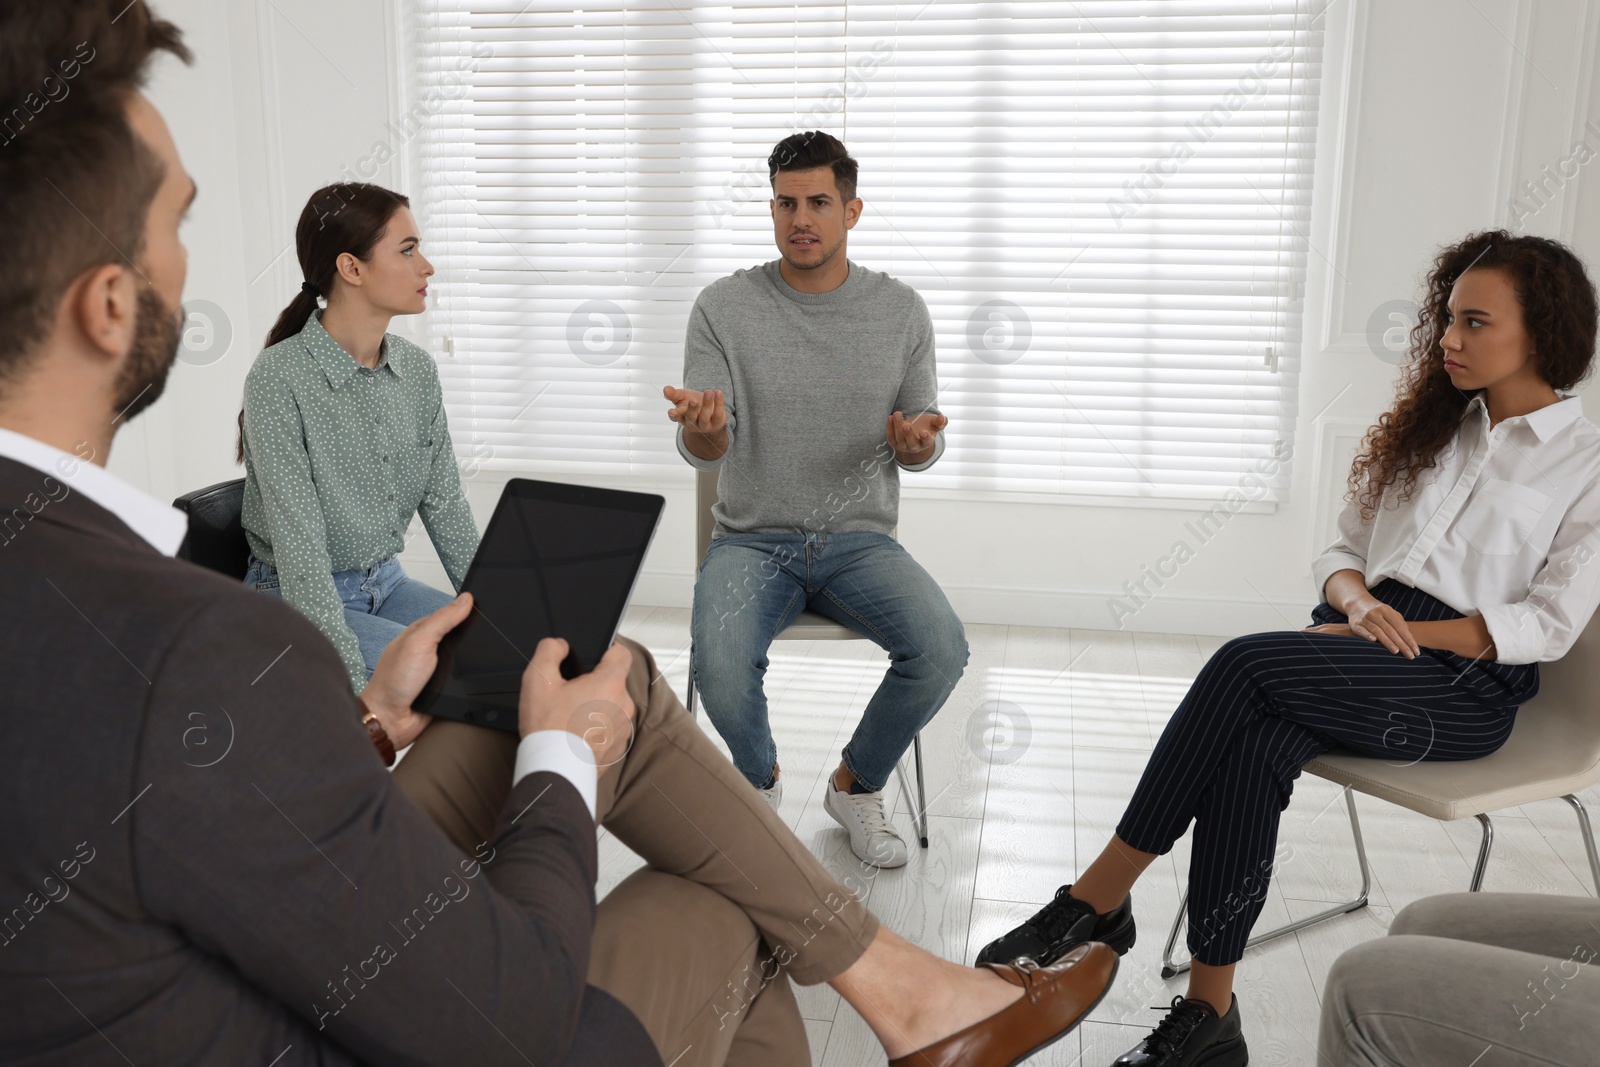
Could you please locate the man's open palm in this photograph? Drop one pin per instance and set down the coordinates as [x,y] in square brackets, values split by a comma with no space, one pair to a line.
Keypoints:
[703,411]
[912,436]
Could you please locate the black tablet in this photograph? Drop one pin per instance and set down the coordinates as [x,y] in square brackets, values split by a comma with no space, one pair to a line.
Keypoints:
[556,561]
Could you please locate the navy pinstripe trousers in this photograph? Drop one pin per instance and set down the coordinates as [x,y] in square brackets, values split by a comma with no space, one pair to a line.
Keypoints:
[1265,705]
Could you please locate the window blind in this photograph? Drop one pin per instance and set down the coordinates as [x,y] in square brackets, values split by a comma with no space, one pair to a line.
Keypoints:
[1104,205]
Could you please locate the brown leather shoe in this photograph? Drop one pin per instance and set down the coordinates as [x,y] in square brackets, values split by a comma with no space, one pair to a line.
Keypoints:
[1054,1000]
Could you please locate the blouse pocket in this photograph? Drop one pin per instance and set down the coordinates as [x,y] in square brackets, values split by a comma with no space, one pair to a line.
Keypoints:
[1501,517]
[420,463]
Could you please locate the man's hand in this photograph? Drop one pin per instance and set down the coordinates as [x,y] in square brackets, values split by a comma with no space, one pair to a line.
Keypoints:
[705,411]
[704,417]
[913,439]
[405,667]
[595,707]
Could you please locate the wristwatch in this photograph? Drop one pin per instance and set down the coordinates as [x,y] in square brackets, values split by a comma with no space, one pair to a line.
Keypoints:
[380,739]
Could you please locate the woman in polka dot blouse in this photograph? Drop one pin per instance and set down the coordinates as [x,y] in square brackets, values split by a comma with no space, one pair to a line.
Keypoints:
[343,433]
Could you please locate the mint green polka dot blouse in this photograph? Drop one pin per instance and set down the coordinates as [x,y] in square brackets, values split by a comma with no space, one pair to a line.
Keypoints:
[338,458]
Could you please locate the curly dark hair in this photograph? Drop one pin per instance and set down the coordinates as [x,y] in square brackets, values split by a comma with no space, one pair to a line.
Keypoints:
[1559,311]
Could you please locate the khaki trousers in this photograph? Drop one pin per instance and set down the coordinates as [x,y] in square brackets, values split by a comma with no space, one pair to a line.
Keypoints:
[702,942]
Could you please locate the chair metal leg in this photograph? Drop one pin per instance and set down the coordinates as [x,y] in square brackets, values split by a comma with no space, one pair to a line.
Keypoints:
[1172,970]
[1168,969]
[1588,838]
[1483,854]
[919,812]
[922,801]
[691,700]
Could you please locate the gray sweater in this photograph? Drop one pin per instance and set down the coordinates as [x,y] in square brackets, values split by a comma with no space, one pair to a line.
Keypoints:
[810,381]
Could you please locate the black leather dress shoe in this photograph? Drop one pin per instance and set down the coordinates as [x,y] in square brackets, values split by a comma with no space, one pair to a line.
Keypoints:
[1059,927]
[1192,1035]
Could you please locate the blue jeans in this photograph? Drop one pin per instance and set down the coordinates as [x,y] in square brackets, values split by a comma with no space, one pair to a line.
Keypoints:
[379,601]
[753,585]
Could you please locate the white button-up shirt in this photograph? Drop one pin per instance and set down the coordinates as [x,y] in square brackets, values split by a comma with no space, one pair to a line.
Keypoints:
[162,525]
[1504,526]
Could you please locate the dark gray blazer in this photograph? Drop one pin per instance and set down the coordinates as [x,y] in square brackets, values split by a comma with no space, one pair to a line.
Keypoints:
[202,860]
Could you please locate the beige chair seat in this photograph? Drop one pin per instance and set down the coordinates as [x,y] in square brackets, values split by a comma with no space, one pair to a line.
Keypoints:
[809,626]
[1544,757]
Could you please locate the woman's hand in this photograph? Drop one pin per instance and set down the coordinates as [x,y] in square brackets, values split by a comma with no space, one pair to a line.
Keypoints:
[405,667]
[1342,629]
[1375,621]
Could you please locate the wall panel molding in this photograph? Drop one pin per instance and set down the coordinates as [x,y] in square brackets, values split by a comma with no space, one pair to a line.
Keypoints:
[1352,43]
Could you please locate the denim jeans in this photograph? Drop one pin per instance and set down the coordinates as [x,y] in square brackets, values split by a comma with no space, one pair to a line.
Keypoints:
[753,585]
[379,601]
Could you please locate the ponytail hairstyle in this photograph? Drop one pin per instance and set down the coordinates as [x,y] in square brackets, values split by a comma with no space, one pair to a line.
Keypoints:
[339,218]
[1559,312]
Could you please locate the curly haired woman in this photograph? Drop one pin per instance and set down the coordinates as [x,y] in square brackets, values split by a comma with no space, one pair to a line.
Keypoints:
[1458,568]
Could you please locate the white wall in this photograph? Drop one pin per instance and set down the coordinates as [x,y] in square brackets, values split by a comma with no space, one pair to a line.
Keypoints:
[1435,113]
[282,96]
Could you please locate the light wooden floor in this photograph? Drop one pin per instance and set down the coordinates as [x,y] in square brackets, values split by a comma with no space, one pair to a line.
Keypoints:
[1013,812]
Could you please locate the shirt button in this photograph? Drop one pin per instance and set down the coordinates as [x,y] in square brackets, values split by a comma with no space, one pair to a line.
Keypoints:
[386,459]
[391,496]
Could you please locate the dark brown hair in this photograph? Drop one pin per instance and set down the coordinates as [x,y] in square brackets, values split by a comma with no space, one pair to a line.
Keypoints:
[339,218]
[77,181]
[1559,311]
[807,151]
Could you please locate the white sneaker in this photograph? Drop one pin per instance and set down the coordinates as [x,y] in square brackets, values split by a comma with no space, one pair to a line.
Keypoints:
[773,796]
[870,837]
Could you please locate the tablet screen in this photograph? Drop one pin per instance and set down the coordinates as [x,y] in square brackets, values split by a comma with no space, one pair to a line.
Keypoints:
[556,561]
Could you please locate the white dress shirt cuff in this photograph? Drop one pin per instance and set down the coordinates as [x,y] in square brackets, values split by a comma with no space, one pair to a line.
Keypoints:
[1328,564]
[1517,634]
[566,754]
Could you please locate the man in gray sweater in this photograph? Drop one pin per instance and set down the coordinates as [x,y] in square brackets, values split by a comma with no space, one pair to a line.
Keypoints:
[809,381]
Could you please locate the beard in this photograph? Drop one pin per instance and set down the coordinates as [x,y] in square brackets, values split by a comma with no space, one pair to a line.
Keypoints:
[156,335]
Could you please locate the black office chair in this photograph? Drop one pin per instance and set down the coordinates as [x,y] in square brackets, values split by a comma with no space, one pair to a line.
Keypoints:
[216,536]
